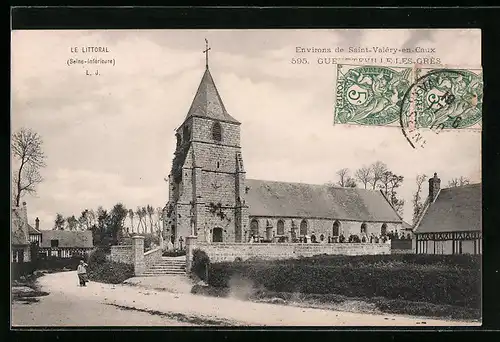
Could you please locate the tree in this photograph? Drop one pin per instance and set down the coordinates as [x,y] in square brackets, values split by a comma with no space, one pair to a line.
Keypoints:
[131,216]
[150,212]
[103,220]
[116,222]
[418,204]
[27,150]
[138,212]
[377,169]
[87,219]
[388,183]
[345,180]
[454,182]
[144,214]
[59,222]
[364,175]
[72,222]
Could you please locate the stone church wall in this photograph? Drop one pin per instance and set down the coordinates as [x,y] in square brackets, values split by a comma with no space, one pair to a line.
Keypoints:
[221,252]
[320,226]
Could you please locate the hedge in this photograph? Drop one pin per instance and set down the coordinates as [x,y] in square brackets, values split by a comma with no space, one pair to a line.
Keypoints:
[110,272]
[403,277]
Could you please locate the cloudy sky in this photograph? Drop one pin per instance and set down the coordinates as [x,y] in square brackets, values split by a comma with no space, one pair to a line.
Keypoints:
[110,138]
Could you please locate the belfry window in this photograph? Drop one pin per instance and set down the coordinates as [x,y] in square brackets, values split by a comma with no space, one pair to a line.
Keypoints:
[186,132]
[217,131]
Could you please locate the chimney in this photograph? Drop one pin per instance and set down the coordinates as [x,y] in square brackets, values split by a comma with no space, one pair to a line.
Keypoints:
[434,185]
[37,224]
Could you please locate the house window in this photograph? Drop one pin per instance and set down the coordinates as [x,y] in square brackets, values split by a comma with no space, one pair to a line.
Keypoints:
[303,227]
[254,228]
[336,228]
[54,243]
[322,237]
[280,227]
[363,228]
[383,229]
[217,131]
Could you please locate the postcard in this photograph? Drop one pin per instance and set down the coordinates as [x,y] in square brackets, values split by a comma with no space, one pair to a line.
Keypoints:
[246,177]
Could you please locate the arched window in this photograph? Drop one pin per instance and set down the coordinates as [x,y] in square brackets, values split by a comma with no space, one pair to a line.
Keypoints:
[336,228]
[217,131]
[217,235]
[363,228]
[303,227]
[179,139]
[280,227]
[322,237]
[254,228]
[383,229]
[186,132]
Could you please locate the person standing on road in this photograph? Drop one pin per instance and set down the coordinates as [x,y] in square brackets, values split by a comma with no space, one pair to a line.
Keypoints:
[82,273]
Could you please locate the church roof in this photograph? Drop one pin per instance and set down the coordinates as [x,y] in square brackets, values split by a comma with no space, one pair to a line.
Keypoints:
[455,209]
[280,199]
[207,102]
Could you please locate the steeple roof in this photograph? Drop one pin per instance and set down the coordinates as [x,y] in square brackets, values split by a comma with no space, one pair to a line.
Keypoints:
[207,102]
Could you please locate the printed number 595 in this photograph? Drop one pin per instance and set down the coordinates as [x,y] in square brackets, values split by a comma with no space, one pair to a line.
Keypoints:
[300,61]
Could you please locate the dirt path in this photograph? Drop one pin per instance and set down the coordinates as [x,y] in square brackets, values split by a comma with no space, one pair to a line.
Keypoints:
[122,305]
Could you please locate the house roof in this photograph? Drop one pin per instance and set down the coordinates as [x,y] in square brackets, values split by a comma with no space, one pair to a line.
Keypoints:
[32,230]
[280,199]
[455,209]
[19,227]
[406,225]
[67,238]
[207,102]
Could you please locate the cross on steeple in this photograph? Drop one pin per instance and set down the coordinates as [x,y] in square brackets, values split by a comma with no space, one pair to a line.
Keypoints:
[206,52]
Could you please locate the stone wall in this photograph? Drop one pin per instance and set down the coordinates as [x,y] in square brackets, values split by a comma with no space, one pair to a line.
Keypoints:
[122,254]
[152,257]
[219,252]
[319,227]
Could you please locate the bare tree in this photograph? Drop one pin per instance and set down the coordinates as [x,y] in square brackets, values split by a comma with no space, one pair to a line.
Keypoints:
[345,180]
[27,150]
[388,183]
[453,183]
[378,168]
[364,175]
[418,204]
[150,211]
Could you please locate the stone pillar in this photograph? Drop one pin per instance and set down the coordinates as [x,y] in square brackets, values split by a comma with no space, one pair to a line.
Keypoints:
[138,254]
[190,246]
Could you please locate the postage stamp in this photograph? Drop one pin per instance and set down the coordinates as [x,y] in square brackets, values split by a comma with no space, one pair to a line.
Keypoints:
[441,99]
[370,95]
[426,97]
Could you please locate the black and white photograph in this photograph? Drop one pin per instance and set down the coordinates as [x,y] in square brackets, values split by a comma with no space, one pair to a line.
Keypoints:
[257,177]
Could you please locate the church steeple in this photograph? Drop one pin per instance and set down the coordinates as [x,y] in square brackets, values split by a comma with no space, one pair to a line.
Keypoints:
[207,102]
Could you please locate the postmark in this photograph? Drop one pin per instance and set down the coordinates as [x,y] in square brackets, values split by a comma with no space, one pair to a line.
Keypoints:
[441,99]
[370,95]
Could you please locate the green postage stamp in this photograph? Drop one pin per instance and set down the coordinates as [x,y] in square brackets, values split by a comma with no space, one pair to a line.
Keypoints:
[385,96]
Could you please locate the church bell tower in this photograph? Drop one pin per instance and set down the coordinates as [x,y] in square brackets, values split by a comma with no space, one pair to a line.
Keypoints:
[207,179]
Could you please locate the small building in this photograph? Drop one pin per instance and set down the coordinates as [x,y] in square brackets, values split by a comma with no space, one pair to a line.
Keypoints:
[20,244]
[450,222]
[35,235]
[65,243]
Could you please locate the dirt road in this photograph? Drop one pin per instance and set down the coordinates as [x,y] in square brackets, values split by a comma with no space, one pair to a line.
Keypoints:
[122,305]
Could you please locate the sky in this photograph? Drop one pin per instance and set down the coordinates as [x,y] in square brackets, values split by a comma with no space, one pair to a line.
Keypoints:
[110,137]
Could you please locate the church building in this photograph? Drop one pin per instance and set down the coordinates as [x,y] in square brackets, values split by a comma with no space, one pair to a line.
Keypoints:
[211,197]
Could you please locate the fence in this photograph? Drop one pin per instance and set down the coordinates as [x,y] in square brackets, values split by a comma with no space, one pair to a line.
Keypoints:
[62,252]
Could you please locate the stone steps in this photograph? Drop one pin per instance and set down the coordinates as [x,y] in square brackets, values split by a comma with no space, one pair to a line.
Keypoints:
[166,266]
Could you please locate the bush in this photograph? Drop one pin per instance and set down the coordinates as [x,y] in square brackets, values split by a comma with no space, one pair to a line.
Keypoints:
[22,269]
[402,277]
[110,272]
[174,253]
[200,264]
[57,263]
[98,256]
